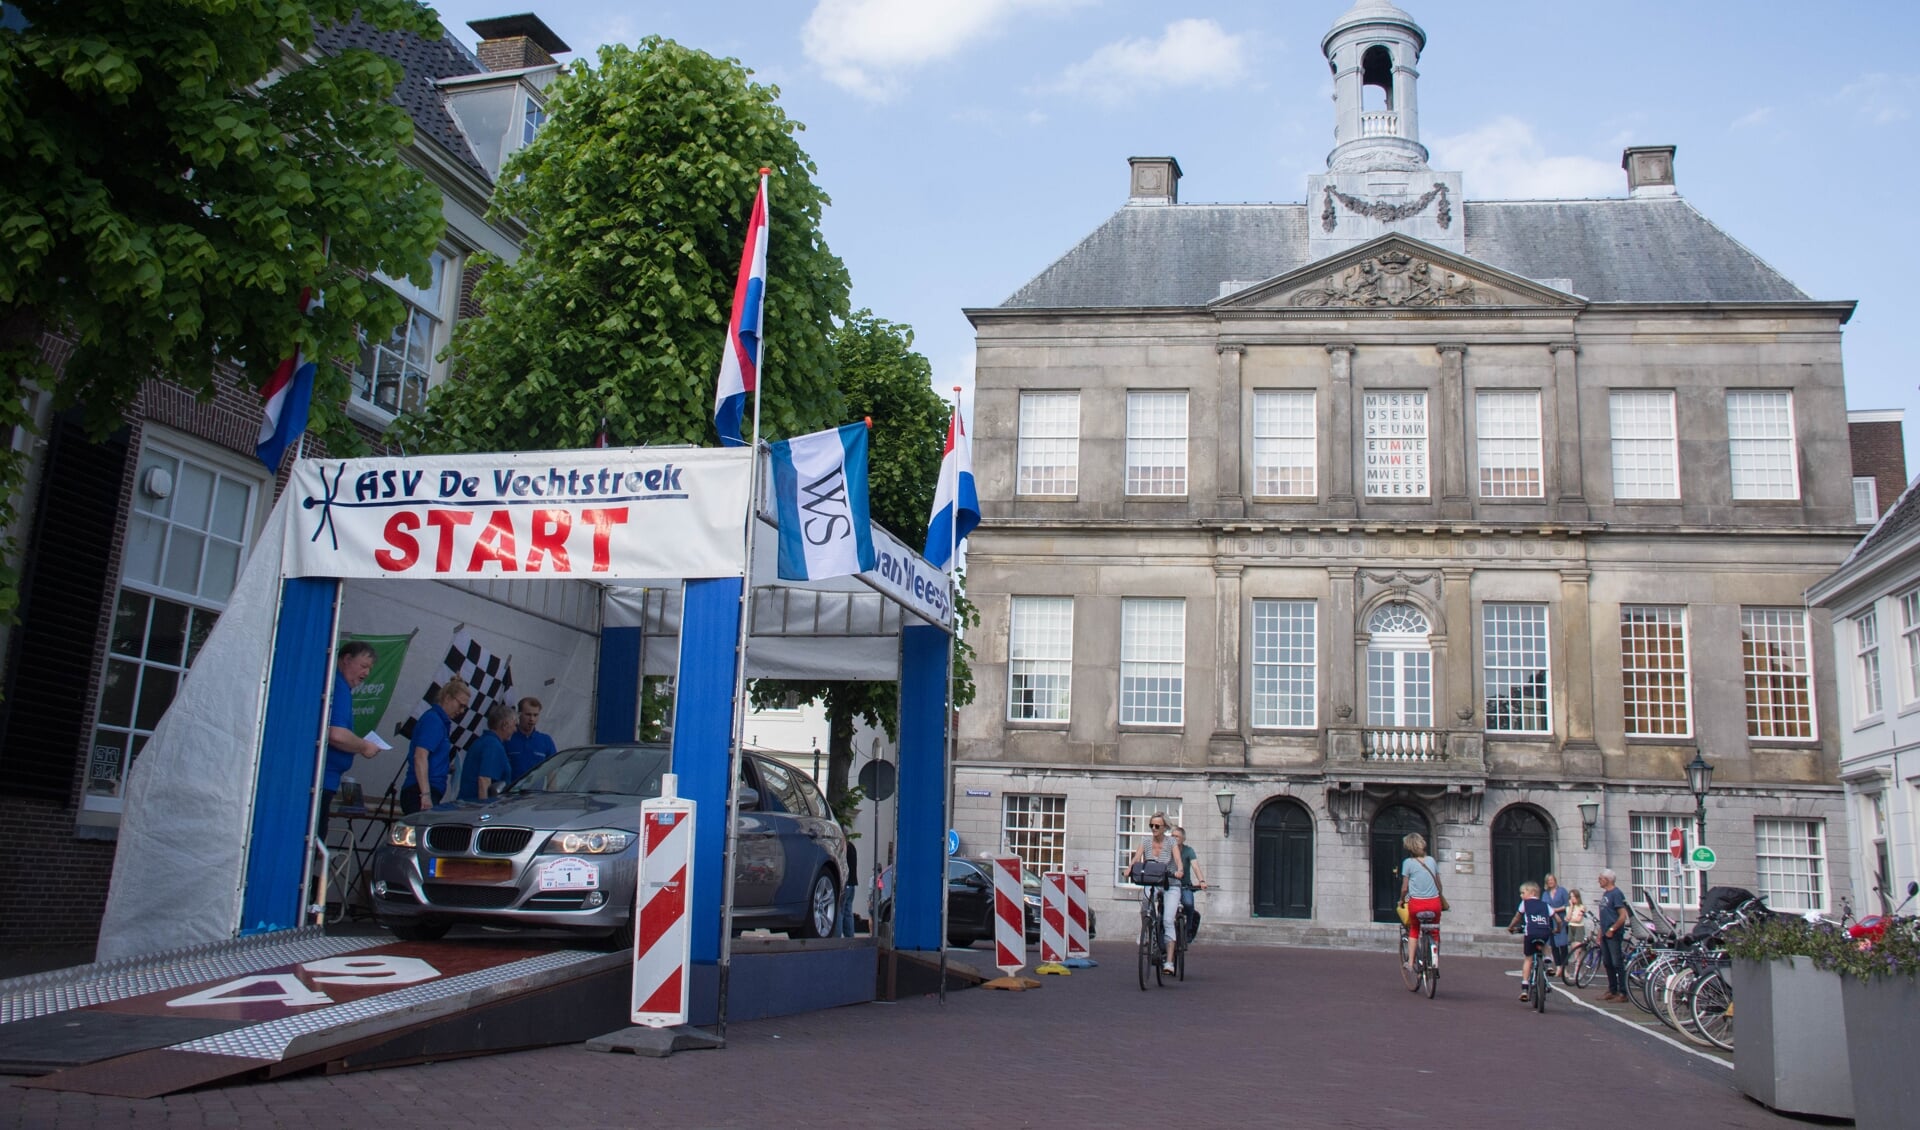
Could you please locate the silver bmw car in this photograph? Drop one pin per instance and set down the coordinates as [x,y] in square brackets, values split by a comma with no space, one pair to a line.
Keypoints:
[559,849]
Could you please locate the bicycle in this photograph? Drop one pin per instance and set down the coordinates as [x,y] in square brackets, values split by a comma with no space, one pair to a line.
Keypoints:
[1583,964]
[1539,981]
[1186,925]
[1423,972]
[1153,951]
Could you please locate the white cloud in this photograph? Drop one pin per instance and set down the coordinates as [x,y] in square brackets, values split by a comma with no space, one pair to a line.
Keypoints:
[865,46]
[1880,97]
[1188,53]
[1503,160]
[1755,118]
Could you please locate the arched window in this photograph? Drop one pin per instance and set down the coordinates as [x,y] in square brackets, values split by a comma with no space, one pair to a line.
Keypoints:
[1376,71]
[1399,667]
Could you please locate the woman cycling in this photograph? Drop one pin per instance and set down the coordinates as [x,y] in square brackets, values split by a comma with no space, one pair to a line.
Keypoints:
[1419,889]
[1160,848]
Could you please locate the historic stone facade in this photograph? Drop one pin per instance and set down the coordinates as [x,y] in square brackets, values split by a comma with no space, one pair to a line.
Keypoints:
[1449,522]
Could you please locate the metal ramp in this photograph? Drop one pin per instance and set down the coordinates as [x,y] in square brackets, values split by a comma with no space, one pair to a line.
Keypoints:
[298,1000]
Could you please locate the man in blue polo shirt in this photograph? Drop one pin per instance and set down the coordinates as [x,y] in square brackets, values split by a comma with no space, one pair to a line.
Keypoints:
[526,746]
[484,772]
[352,665]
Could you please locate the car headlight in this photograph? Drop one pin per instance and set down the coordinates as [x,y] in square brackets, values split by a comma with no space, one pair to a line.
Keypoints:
[403,835]
[595,841]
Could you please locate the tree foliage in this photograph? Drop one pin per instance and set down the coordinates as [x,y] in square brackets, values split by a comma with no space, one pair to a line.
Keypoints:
[636,193]
[884,379]
[171,174]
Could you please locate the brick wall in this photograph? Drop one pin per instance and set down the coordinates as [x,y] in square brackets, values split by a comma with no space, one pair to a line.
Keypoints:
[53,887]
[1880,450]
[511,53]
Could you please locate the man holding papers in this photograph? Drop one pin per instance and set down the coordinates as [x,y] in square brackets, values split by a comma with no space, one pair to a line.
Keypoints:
[351,665]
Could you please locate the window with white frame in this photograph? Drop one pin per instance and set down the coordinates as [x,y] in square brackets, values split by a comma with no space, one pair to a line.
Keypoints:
[394,375]
[1910,644]
[1790,863]
[1866,500]
[188,533]
[1039,658]
[1156,443]
[1514,653]
[1285,694]
[1153,651]
[1653,670]
[1284,459]
[1760,445]
[1049,459]
[1507,426]
[1654,869]
[1130,818]
[1646,455]
[1779,672]
[533,115]
[1866,651]
[1033,826]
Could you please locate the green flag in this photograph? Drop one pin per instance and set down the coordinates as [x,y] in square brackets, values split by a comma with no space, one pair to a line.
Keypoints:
[370,698]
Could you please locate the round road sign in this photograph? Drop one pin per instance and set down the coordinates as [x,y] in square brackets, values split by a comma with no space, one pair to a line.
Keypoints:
[1703,858]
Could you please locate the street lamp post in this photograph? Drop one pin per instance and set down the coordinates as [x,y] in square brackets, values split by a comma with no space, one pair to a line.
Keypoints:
[1700,779]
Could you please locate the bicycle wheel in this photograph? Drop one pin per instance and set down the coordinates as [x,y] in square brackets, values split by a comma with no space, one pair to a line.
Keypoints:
[1429,965]
[1180,955]
[1588,967]
[1682,991]
[1662,983]
[1635,981]
[1407,973]
[1713,1010]
[1539,983]
[1146,948]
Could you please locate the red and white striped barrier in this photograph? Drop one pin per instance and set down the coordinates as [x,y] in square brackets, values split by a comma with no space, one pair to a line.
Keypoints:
[1077,929]
[1053,917]
[662,942]
[1009,915]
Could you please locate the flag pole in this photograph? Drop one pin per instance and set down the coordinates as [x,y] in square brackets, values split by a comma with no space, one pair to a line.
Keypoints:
[740,680]
[946,722]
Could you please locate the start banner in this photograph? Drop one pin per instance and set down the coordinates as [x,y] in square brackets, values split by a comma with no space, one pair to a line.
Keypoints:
[598,514]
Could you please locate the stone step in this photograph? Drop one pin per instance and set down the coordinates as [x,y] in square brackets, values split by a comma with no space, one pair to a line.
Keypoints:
[1380,937]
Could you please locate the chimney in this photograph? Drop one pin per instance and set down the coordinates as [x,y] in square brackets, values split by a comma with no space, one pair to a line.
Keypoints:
[512,43]
[1649,170]
[1156,180]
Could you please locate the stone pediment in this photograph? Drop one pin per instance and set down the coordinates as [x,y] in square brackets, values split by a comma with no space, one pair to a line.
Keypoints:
[1395,272]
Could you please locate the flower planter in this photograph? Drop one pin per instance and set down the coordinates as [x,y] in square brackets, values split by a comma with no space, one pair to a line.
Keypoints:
[1883,1028]
[1791,1049]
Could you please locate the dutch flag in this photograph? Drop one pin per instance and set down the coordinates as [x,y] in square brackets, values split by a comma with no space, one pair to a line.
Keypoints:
[956,505]
[820,491]
[740,356]
[289,396]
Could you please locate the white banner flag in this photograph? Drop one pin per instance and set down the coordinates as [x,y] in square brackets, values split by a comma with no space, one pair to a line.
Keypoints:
[599,514]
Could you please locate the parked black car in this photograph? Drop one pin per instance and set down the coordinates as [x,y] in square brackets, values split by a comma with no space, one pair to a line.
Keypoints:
[970,902]
[560,849]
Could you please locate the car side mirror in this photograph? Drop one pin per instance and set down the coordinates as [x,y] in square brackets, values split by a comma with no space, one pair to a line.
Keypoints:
[746,799]
[974,880]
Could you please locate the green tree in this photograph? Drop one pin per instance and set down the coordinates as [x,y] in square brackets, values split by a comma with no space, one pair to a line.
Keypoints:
[168,187]
[637,192]
[884,379]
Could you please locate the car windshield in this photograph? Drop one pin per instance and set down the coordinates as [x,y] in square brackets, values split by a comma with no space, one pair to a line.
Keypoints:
[624,770]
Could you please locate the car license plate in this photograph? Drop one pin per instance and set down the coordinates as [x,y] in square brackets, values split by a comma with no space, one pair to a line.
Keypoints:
[471,870]
[570,874]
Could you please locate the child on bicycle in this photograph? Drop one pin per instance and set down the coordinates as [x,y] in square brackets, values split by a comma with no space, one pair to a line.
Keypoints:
[1534,919]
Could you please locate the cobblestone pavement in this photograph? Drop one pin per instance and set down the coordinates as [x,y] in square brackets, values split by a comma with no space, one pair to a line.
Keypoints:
[1255,1036]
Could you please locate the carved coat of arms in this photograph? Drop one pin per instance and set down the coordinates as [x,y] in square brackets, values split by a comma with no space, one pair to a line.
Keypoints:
[1392,278]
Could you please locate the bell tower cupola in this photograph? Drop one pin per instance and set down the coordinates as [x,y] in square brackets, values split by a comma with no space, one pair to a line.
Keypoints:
[1377,180]
[1374,50]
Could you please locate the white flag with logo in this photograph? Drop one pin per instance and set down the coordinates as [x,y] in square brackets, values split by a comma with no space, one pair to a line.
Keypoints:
[820,492]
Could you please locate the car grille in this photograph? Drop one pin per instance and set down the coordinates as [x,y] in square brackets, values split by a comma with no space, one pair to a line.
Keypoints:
[449,838]
[503,841]
[471,898]
[556,900]
[399,894]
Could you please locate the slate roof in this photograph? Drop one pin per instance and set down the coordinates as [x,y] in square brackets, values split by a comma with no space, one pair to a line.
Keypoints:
[1621,250]
[1898,524]
[425,61]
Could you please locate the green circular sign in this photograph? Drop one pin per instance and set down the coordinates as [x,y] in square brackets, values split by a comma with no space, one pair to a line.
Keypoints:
[1703,858]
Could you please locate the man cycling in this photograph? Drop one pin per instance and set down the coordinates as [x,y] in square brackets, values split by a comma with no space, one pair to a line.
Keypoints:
[1534,919]
[1193,877]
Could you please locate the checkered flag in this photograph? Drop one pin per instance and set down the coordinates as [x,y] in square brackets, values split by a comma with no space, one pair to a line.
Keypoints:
[490,676]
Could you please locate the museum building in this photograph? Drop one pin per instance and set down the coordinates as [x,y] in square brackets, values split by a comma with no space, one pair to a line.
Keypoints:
[1316,524]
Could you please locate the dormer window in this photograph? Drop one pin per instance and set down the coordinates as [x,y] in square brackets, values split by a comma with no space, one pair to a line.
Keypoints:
[499,114]
[532,117]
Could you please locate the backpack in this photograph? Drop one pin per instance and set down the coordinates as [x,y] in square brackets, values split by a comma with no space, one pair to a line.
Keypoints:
[1537,918]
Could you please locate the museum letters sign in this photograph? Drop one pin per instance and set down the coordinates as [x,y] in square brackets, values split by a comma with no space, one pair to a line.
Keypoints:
[600,514]
[1396,444]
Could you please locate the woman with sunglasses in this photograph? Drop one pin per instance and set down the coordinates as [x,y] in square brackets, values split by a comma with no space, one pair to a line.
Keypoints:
[1160,848]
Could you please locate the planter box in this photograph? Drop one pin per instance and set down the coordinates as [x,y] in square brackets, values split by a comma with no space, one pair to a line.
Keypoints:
[1883,1028]
[1790,1048]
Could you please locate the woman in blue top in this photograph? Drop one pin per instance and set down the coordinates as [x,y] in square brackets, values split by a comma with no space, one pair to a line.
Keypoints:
[1419,888]
[1556,898]
[431,748]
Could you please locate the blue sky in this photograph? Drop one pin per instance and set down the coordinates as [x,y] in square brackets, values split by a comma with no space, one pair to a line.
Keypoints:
[967,143]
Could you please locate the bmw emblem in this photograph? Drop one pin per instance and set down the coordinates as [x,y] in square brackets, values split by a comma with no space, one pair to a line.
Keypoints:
[485,816]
